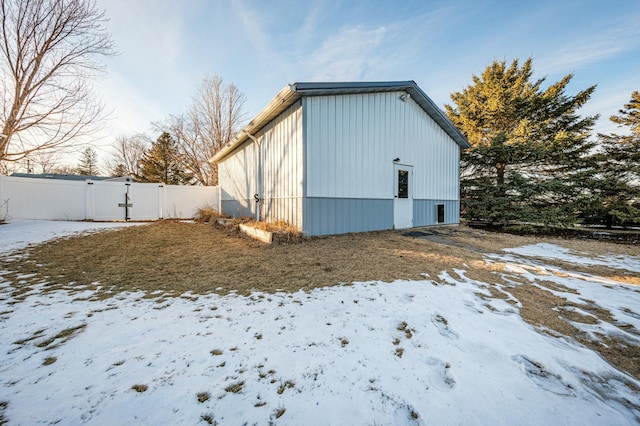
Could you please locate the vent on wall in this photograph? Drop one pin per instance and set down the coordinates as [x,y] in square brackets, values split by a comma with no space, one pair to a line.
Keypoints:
[440,212]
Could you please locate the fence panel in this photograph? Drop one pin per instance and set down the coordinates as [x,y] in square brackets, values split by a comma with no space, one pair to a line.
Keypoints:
[43,199]
[107,197]
[184,201]
[145,201]
[31,198]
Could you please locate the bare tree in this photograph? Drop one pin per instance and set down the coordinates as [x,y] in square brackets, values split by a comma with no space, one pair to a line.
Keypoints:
[65,170]
[48,55]
[45,161]
[129,150]
[213,119]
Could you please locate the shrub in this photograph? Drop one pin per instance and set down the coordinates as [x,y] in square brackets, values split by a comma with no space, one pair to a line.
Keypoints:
[208,214]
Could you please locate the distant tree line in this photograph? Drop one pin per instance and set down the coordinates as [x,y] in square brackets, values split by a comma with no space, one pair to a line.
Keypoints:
[533,160]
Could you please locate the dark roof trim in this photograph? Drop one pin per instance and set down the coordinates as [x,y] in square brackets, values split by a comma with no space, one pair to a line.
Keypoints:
[62,176]
[292,92]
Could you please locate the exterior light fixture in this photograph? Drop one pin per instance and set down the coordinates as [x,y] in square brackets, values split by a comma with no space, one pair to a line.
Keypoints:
[404,97]
[395,160]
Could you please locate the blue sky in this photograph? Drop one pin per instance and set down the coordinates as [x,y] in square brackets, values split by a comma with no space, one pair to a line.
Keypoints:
[166,46]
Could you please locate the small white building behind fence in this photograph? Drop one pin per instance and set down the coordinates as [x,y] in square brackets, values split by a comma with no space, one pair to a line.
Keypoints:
[44,199]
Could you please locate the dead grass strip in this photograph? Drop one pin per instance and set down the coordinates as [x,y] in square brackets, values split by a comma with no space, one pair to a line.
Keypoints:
[541,308]
[175,257]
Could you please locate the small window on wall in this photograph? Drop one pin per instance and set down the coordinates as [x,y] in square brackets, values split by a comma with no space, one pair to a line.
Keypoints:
[403,184]
[440,210]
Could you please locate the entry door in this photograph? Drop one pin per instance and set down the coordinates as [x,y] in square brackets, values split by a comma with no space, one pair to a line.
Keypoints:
[403,201]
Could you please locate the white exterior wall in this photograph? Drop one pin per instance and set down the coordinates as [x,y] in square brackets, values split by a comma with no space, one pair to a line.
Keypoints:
[237,178]
[282,153]
[281,173]
[351,142]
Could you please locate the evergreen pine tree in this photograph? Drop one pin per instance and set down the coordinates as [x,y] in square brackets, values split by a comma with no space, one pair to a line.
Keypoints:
[88,165]
[529,148]
[119,171]
[160,163]
[617,186]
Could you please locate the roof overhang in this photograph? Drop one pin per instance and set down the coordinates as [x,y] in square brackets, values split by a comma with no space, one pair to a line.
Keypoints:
[292,92]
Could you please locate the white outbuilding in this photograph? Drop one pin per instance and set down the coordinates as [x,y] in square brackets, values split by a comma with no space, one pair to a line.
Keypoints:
[332,158]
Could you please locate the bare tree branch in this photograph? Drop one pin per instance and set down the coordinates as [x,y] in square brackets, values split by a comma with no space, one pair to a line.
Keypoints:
[129,150]
[48,55]
[45,161]
[213,119]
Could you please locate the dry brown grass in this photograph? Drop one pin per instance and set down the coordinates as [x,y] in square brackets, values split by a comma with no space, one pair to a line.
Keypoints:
[283,233]
[170,258]
[3,407]
[49,360]
[208,215]
[140,388]
[279,412]
[203,397]
[235,387]
[543,309]
[176,257]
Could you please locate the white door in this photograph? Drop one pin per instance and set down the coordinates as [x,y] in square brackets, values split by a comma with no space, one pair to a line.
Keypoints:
[403,193]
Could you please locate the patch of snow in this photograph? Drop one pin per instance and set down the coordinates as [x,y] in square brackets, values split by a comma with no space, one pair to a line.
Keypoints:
[408,353]
[327,357]
[553,251]
[620,300]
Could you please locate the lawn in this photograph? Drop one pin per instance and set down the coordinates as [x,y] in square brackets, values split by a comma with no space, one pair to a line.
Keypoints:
[180,323]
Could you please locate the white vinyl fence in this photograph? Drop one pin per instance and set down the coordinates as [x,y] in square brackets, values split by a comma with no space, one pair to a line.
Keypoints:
[52,199]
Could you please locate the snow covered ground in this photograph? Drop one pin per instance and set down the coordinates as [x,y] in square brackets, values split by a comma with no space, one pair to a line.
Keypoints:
[437,352]
[19,234]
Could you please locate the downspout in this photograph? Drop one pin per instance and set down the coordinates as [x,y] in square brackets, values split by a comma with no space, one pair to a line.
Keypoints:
[258,196]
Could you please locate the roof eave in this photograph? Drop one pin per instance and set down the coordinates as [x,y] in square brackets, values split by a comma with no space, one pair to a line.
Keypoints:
[438,116]
[292,92]
[287,96]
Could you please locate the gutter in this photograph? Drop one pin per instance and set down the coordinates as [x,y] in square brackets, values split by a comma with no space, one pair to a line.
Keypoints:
[259,183]
[285,98]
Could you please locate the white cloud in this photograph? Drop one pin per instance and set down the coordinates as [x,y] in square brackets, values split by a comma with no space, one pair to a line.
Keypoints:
[608,100]
[593,48]
[349,55]
[152,38]
[251,23]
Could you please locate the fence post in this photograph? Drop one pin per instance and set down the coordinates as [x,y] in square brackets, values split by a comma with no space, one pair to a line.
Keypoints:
[161,201]
[4,202]
[89,201]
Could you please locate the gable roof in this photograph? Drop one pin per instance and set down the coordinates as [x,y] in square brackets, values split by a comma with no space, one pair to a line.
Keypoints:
[292,92]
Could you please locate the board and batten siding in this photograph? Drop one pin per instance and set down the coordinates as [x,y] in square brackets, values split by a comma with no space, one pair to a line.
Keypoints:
[352,140]
[281,172]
